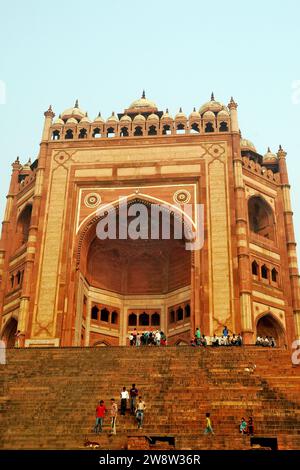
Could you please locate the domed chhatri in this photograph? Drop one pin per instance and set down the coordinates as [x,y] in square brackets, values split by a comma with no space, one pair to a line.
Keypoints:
[142,102]
[247,145]
[270,157]
[212,105]
[74,112]
[99,119]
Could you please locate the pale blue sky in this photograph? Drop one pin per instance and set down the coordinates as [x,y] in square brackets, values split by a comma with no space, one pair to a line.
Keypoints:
[104,53]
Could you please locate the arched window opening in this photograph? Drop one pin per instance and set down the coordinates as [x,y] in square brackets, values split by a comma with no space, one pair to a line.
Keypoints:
[187,311]
[195,128]
[69,134]
[95,312]
[23,226]
[180,129]
[155,319]
[223,127]
[111,132]
[124,132]
[96,133]
[82,134]
[264,272]
[274,275]
[132,319]
[138,131]
[166,130]
[114,317]
[152,130]
[12,281]
[261,218]
[104,315]
[179,313]
[144,319]
[209,127]
[255,268]
[55,135]
[172,316]
[18,277]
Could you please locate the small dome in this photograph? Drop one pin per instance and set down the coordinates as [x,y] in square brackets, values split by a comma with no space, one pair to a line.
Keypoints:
[180,115]
[85,119]
[194,114]
[153,117]
[125,118]
[72,121]
[139,117]
[247,145]
[99,118]
[166,116]
[212,105]
[113,118]
[270,157]
[58,121]
[223,114]
[143,102]
[74,112]
[209,115]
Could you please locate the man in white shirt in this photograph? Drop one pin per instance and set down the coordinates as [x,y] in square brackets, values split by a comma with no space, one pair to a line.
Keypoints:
[124,397]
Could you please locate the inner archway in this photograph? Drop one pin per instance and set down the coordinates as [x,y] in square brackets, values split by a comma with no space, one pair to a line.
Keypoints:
[9,333]
[269,326]
[139,276]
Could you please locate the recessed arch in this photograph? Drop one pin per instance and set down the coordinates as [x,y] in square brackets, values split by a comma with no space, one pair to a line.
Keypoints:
[267,324]
[261,217]
[9,332]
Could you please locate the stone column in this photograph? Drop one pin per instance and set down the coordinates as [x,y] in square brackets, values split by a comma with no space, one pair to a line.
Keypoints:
[6,240]
[245,277]
[290,238]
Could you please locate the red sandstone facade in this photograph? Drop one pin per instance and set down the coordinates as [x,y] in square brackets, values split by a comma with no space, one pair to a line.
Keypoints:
[62,286]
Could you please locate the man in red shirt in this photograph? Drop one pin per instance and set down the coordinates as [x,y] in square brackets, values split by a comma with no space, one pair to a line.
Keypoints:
[100,413]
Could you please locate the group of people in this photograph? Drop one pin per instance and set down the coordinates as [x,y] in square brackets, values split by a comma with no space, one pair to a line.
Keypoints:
[247,427]
[147,338]
[224,340]
[137,408]
[266,341]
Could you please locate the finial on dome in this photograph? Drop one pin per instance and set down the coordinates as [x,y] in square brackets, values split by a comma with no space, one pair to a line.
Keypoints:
[144,94]
[212,98]
[194,109]
[86,114]
[280,148]
[167,110]
[269,150]
[76,104]
[113,113]
[180,109]
[99,114]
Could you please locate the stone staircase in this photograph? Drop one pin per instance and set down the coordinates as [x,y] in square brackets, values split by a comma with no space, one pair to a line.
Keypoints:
[48,396]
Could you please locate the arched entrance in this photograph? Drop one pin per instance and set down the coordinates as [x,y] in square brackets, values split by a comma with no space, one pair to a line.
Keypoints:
[267,325]
[9,333]
[137,278]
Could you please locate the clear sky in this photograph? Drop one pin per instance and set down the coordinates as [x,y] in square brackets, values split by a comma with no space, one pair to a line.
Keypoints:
[105,52]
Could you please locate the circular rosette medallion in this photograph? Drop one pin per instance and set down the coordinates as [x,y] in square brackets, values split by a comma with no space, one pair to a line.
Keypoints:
[92,200]
[182,196]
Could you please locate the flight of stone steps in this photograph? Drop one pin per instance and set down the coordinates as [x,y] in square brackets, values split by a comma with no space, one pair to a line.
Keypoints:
[48,396]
